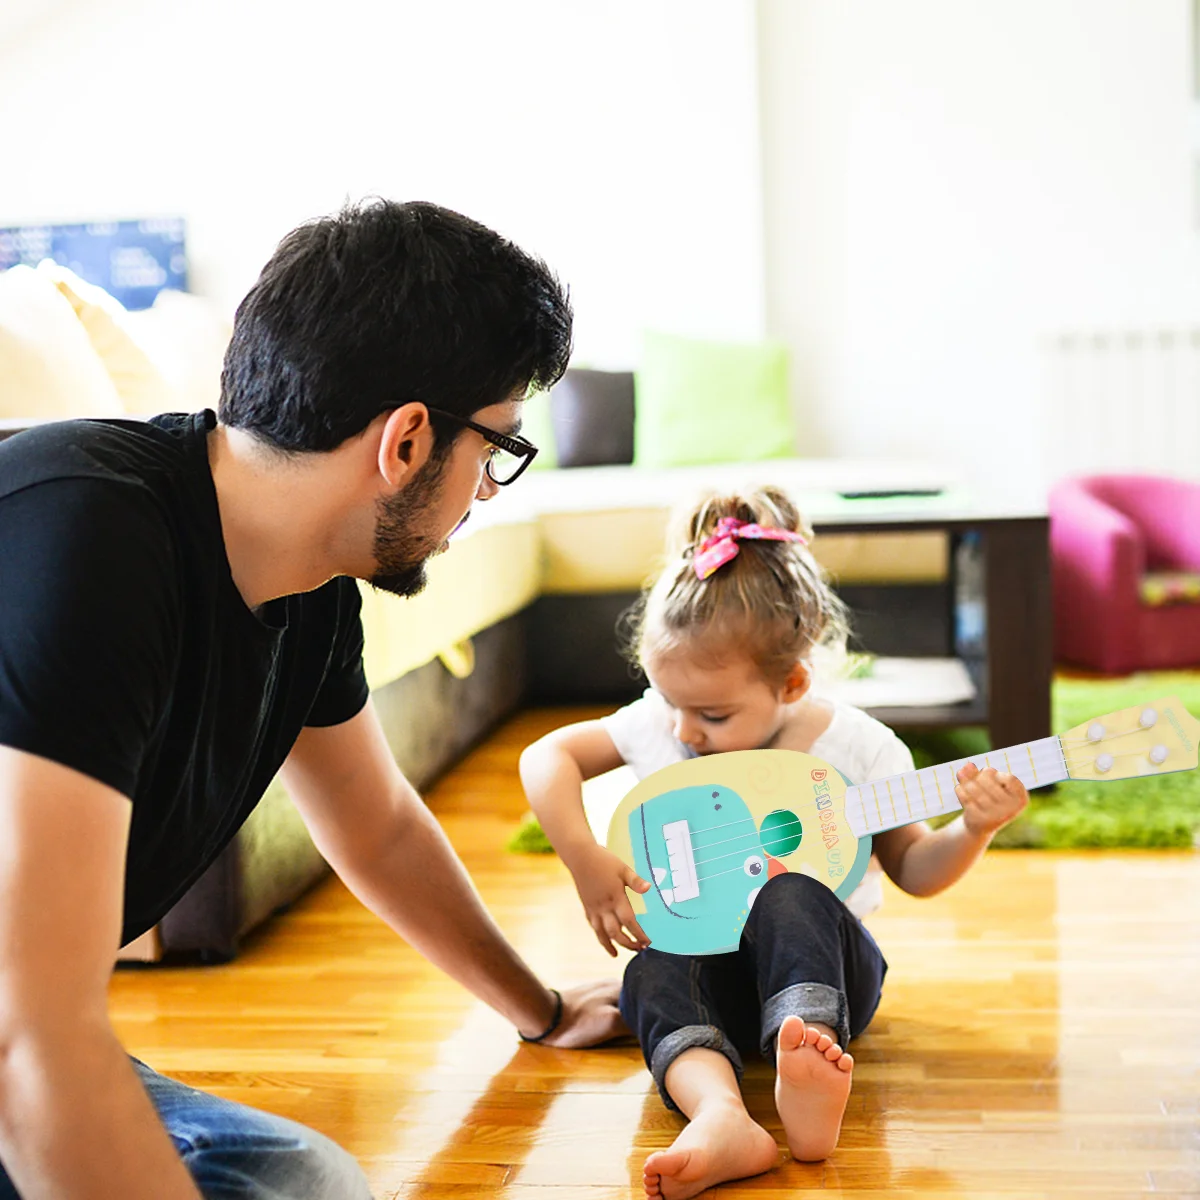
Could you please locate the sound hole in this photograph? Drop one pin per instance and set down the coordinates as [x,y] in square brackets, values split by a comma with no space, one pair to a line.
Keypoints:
[780,832]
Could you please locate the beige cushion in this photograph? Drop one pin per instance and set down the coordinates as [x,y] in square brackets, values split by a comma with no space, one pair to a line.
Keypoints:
[139,383]
[48,367]
[186,337]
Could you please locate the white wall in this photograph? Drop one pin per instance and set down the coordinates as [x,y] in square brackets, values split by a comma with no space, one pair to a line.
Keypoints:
[936,183]
[946,182]
[620,141]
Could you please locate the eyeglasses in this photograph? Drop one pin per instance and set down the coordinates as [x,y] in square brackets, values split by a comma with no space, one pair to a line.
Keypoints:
[510,454]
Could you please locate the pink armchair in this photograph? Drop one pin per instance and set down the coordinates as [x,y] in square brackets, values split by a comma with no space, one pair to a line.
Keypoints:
[1107,532]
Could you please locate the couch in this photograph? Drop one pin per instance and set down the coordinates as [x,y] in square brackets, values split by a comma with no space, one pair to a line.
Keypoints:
[522,608]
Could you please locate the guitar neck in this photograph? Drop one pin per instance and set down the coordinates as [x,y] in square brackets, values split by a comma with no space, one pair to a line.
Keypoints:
[901,799]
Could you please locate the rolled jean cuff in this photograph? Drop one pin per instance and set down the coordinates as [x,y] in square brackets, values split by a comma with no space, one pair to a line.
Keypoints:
[708,1037]
[810,1002]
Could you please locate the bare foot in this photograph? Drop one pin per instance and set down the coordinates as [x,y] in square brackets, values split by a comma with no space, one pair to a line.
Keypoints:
[812,1086]
[721,1142]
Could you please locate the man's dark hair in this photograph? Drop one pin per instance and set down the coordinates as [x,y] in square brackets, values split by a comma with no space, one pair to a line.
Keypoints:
[382,304]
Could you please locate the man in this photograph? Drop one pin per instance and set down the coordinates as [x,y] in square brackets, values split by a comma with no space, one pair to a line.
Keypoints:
[179,620]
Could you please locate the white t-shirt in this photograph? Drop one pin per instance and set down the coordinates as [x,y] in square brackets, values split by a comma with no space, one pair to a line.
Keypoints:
[856,744]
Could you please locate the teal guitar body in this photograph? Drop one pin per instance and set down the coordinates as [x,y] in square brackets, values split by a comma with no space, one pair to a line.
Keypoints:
[707,857]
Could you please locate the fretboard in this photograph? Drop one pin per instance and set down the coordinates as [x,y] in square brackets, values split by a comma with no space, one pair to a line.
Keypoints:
[915,795]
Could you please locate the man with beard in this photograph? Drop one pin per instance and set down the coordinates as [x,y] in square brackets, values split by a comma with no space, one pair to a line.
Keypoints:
[179,620]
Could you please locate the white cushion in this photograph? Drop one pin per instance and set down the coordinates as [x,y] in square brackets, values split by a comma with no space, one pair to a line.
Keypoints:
[139,383]
[48,367]
[186,337]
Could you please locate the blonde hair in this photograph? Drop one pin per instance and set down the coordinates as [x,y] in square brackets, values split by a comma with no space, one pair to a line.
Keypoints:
[772,601]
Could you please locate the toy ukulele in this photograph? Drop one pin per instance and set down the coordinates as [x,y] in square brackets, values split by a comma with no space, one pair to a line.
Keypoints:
[709,832]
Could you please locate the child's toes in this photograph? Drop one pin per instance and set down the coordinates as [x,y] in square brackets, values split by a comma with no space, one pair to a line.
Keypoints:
[824,1042]
[846,1062]
[812,1036]
[651,1177]
[833,1051]
[792,1033]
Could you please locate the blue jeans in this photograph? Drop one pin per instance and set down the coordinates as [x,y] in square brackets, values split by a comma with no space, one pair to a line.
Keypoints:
[802,953]
[238,1153]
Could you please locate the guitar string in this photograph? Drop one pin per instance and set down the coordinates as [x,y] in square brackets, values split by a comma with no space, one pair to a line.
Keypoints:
[1055,763]
[759,838]
[1115,757]
[807,806]
[714,828]
[700,878]
[732,870]
[1074,765]
[812,805]
[732,854]
[867,790]
[738,837]
[757,835]
[1108,737]
[953,766]
[1079,763]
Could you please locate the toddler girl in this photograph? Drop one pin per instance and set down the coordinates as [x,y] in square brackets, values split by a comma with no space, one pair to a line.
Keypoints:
[726,637]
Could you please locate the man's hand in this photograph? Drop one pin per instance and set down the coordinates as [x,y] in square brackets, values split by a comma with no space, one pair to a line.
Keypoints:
[590,1016]
[385,844]
[990,799]
[601,879]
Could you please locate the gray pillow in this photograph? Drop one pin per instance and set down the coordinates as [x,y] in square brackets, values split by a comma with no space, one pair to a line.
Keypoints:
[592,415]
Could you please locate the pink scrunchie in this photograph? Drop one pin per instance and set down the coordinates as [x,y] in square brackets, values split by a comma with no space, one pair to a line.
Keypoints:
[722,545]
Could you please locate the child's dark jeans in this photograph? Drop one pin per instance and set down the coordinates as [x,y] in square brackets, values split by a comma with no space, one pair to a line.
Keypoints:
[802,953]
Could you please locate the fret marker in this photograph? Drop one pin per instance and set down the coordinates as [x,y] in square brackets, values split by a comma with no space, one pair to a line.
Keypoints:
[1148,717]
[1095,732]
[1104,762]
[1158,754]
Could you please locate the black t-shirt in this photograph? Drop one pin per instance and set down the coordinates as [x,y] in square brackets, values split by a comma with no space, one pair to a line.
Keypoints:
[127,652]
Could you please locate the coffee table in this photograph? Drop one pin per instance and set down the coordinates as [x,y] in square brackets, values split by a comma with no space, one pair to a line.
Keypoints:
[1012,662]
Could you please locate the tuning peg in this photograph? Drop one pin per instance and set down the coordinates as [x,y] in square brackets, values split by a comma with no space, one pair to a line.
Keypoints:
[1095,732]
[1158,754]
[1148,717]
[1104,762]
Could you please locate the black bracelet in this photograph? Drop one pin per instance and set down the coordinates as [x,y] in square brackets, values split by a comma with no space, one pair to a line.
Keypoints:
[555,1021]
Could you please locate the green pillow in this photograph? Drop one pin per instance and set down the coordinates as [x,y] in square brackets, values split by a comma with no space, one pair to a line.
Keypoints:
[705,402]
[539,429]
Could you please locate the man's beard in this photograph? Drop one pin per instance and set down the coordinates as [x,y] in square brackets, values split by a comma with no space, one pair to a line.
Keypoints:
[401,549]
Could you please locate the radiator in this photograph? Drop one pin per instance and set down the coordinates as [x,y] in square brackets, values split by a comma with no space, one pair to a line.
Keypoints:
[1124,401]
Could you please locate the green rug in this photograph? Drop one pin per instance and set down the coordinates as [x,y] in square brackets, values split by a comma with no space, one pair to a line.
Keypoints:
[1134,812]
[530,838]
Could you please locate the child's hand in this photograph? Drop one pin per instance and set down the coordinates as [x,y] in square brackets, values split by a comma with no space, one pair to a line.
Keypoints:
[990,798]
[601,879]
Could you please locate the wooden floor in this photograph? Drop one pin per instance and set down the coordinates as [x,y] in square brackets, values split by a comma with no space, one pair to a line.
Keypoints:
[1039,1034]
